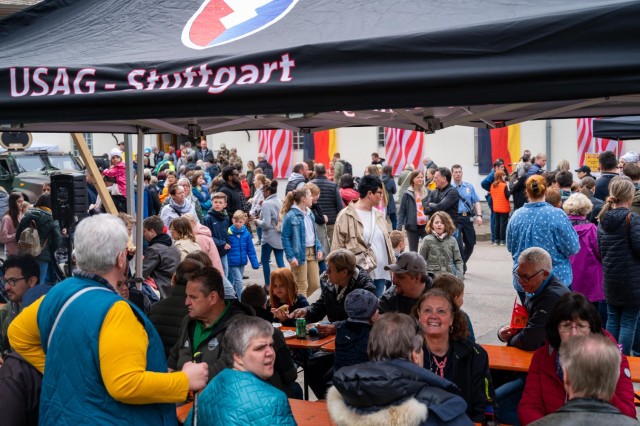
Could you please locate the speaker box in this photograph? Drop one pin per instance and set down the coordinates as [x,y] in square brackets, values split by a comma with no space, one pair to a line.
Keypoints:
[69,199]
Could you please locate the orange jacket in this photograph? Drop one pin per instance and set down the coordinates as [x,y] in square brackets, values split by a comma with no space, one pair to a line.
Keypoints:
[500,201]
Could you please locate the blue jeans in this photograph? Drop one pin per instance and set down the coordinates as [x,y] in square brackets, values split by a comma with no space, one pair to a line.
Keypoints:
[393,217]
[44,270]
[225,267]
[259,233]
[507,400]
[237,272]
[621,323]
[322,266]
[381,286]
[493,224]
[265,257]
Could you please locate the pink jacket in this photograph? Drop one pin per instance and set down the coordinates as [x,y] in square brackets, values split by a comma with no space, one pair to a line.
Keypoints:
[8,235]
[205,241]
[119,172]
[587,263]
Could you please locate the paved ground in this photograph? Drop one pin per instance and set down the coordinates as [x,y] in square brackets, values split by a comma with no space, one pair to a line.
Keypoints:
[489,294]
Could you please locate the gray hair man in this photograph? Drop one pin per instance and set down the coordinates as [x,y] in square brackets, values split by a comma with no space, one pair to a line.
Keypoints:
[410,279]
[535,274]
[121,362]
[590,369]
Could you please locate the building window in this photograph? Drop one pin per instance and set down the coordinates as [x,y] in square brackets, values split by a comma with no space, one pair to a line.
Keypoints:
[381,137]
[88,137]
[298,140]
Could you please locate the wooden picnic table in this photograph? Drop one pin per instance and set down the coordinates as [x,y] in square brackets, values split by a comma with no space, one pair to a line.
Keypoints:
[313,343]
[305,412]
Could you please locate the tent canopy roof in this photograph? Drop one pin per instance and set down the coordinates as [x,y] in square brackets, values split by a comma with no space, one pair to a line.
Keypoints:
[113,65]
[617,128]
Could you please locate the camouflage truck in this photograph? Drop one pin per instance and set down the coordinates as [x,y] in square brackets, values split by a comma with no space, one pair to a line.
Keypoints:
[27,171]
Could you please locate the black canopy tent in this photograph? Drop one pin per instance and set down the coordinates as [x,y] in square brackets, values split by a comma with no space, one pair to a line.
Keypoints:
[293,63]
[140,66]
[617,128]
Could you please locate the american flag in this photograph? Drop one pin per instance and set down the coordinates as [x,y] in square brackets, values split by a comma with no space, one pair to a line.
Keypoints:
[403,147]
[276,145]
[588,144]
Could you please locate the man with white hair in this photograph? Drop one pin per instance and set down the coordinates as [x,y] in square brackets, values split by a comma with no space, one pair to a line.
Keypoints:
[265,166]
[105,361]
[543,289]
[590,369]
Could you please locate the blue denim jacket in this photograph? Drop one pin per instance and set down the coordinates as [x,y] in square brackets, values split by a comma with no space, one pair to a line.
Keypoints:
[293,236]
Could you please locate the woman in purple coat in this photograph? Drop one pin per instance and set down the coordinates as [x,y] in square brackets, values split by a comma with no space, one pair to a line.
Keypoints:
[586,265]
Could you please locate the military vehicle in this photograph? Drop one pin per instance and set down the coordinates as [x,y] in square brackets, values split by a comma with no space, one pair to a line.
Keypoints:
[27,171]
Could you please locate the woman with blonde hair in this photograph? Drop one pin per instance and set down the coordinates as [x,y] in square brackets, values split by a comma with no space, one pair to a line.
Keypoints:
[619,244]
[587,263]
[183,236]
[538,224]
[300,240]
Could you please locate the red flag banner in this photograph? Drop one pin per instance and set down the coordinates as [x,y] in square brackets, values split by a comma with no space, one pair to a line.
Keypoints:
[588,144]
[403,147]
[277,146]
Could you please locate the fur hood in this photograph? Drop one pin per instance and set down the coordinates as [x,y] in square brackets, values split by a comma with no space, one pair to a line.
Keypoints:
[410,413]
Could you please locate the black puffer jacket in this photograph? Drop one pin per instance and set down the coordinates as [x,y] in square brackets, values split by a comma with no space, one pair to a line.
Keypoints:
[167,315]
[331,303]
[620,257]
[373,388]
[330,200]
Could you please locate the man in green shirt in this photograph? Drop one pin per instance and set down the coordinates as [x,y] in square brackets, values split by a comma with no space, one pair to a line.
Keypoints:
[202,329]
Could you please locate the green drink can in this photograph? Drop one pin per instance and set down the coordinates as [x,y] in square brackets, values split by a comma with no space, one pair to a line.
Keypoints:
[301,328]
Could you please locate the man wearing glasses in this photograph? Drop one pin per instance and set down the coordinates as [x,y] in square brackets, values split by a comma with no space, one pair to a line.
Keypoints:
[21,274]
[543,289]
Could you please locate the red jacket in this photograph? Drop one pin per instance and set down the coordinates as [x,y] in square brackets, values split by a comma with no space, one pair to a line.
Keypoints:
[245,188]
[544,392]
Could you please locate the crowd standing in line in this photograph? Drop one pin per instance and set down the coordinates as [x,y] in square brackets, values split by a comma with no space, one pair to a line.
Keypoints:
[396,314]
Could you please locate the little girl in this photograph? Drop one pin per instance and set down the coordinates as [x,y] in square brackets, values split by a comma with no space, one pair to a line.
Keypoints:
[284,296]
[183,236]
[501,207]
[241,248]
[440,248]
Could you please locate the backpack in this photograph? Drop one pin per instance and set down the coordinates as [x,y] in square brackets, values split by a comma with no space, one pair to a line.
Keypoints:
[348,168]
[29,242]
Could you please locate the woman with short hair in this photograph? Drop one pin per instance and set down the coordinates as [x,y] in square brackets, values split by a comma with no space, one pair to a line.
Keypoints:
[240,394]
[393,388]
[544,391]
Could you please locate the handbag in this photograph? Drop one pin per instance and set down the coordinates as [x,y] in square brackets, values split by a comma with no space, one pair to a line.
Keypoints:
[519,316]
[366,259]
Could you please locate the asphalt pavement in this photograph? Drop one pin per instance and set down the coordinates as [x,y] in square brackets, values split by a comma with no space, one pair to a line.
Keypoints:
[489,293]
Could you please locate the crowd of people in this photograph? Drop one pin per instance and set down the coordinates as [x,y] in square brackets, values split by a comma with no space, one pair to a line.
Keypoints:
[390,277]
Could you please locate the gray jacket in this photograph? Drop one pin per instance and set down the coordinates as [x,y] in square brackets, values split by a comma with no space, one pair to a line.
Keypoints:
[584,411]
[268,219]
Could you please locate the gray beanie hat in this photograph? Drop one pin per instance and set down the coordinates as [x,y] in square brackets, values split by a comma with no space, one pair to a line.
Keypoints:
[360,305]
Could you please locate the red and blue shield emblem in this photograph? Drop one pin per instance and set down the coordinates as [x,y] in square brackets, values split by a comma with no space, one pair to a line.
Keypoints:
[223,21]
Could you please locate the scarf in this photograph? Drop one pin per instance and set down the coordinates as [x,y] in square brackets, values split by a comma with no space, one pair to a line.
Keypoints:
[180,209]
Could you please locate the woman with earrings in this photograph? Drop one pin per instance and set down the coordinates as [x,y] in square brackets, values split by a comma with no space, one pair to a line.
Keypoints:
[449,353]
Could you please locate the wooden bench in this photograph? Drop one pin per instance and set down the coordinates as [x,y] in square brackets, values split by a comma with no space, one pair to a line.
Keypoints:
[305,412]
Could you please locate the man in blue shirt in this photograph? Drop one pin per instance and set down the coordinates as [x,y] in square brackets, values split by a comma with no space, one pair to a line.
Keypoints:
[468,208]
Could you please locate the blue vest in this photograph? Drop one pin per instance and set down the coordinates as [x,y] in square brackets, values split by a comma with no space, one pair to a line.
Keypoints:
[72,389]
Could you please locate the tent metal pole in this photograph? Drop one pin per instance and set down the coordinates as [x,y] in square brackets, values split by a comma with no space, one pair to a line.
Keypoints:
[129,170]
[140,209]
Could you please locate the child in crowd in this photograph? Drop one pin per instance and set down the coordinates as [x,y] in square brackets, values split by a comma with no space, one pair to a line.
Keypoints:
[240,248]
[246,189]
[284,296]
[440,248]
[397,242]
[553,197]
[500,197]
[455,288]
[218,223]
[255,296]
[352,335]
[183,236]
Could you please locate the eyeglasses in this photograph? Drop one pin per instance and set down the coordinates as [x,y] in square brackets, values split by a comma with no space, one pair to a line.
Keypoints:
[525,279]
[581,327]
[12,281]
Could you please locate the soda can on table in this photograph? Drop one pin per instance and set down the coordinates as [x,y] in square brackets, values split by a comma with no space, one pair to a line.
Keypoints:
[301,328]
